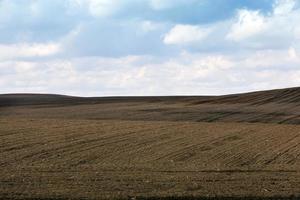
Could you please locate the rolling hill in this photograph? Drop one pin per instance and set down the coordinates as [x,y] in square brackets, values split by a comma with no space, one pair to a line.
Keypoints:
[240,146]
[280,106]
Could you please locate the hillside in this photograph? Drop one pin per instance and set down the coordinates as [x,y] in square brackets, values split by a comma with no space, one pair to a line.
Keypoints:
[288,95]
[241,146]
[275,106]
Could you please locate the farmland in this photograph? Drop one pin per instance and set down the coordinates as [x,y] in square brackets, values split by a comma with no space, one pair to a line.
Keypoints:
[237,146]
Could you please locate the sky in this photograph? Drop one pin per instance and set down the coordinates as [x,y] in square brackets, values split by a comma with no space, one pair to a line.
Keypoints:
[148,47]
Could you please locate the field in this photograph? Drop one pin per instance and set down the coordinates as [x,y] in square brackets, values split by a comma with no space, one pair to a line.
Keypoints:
[237,146]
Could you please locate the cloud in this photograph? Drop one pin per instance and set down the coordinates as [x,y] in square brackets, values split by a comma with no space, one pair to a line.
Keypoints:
[277,29]
[282,7]
[188,74]
[25,50]
[98,8]
[248,30]
[30,21]
[167,4]
[182,34]
[148,26]
[116,39]
[248,23]
[133,47]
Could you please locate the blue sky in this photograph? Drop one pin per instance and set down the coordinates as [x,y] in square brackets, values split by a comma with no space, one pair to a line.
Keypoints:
[148,47]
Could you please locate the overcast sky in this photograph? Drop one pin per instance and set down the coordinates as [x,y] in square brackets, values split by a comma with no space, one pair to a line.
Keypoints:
[148,47]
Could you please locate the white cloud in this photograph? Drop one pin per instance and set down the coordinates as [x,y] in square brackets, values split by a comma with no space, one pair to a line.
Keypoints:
[165,4]
[24,67]
[251,51]
[102,7]
[292,53]
[99,8]
[286,59]
[274,30]
[10,51]
[160,4]
[185,34]
[248,29]
[148,26]
[187,74]
[282,7]
[248,23]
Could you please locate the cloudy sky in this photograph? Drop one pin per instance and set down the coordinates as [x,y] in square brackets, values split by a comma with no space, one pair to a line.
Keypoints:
[148,47]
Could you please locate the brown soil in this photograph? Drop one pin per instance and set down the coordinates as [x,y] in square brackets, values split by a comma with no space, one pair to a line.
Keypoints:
[235,146]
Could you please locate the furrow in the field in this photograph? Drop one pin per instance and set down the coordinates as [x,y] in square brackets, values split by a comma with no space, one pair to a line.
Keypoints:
[44,151]
[62,152]
[247,151]
[247,148]
[191,141]
[100,146]
[256,147]
[136,148]
[108,137]
[274,141]
[137,142]
[132,149]
[282,150]
[291,157]
[197,145]
[294,155]
[119,151]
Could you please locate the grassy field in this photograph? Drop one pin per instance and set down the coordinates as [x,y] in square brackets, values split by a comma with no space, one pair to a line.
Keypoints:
[57,147]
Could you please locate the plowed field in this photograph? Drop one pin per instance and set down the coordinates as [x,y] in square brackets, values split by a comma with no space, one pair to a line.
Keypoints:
[164,147]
